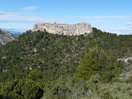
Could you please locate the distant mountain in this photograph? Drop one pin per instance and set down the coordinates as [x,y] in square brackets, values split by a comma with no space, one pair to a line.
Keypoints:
[5,37]
[16,32]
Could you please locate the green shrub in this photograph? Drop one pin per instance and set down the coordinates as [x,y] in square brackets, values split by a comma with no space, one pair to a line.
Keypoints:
[97,61]
[34,75]
[21,89]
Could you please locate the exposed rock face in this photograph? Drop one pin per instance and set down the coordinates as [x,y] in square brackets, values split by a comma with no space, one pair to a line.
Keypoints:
[66,29]
[5,37]
[125,59]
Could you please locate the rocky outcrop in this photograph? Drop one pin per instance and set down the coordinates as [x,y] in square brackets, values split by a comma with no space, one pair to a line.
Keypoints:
[5,37]
[66,29]
[125,59]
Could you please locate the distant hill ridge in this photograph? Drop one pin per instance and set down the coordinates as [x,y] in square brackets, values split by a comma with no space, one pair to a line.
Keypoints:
[5,37]
[66,29]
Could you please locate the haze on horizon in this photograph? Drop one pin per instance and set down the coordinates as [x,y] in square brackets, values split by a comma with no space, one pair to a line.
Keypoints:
[112,16]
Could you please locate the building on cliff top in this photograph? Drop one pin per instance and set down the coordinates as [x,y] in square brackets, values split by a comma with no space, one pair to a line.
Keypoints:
[65,29]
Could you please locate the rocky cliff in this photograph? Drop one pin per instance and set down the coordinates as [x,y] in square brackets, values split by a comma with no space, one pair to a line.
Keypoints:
[5,37]
[66,29]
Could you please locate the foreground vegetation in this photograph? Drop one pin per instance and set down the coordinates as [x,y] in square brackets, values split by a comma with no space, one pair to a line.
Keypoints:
[40,65]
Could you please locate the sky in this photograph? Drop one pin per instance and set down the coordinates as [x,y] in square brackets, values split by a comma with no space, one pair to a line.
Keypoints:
[113,16]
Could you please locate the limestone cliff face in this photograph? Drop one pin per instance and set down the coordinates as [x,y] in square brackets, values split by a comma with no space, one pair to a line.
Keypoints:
[5,37]
[66,29]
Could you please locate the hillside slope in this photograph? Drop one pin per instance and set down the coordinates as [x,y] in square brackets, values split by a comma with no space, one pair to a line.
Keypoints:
[51,60]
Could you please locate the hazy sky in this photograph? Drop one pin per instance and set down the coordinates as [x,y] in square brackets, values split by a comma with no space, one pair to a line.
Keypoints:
[107,15]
